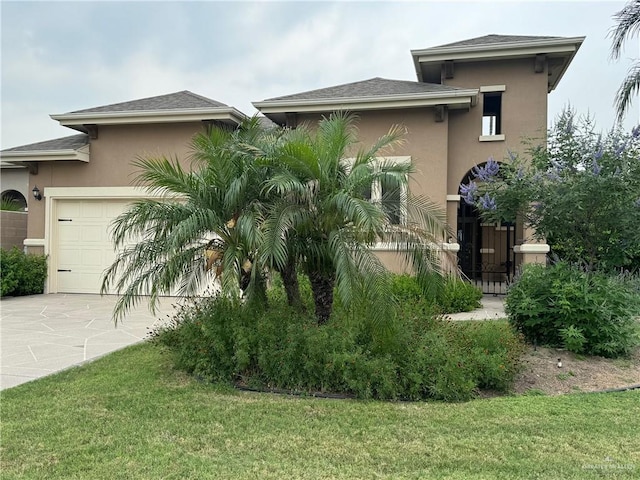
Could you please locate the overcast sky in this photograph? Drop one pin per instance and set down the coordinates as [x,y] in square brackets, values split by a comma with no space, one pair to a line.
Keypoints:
[63,56]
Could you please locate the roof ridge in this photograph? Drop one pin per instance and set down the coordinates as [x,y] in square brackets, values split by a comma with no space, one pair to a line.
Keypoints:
[497,38]
[167,101]
[201,97]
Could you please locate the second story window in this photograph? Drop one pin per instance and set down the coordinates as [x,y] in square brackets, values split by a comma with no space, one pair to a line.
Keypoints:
[492,114]
[492,119]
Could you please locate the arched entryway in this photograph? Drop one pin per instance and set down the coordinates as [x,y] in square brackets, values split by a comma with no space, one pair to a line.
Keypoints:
[486,253]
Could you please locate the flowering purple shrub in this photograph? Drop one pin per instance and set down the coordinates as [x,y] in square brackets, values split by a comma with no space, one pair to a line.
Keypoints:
[580,192]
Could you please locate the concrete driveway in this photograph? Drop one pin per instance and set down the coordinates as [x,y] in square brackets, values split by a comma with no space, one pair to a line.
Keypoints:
[43,334]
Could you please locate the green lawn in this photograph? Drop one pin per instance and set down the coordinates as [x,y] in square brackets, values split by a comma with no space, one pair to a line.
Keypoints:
[129,416]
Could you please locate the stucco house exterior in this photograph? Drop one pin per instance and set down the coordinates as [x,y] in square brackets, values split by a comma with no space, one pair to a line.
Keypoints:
[472,100]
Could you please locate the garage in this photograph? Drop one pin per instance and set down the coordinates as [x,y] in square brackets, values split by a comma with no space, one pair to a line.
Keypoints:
[82,242]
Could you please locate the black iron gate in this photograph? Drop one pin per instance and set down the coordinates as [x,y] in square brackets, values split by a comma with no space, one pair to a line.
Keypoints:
[486,253]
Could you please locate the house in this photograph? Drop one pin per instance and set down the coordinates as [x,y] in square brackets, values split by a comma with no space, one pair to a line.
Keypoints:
[472,100]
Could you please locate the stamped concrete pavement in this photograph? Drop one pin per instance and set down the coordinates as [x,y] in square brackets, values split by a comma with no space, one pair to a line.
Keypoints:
[43,334]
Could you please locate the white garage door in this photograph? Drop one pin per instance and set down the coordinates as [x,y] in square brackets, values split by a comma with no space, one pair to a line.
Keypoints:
[84,249]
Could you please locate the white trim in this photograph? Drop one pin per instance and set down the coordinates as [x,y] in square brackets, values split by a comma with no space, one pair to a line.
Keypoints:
[451,247]
[497,50]
[491,138]
[393,247]
[81,154]
[487,251]
[532,248]
[460,98]
[493,88]
[96,193]
[376,188]
[453,198]
[34,242]
[150,116]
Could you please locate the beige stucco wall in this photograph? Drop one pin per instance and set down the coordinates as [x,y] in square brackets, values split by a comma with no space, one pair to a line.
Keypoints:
[110,165]
[425,141]
[13,229]
[524,114]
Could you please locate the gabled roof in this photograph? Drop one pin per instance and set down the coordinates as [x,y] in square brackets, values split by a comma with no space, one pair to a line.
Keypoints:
[557,51]
[374,93]
[74,147]
[173,101]
[493,39]
[176,107]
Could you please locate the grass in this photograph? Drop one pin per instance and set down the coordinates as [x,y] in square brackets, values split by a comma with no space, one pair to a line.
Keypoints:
[129,415]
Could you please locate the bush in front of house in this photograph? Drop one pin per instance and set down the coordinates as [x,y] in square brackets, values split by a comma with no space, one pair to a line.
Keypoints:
[447,295]
[21,273]
[565,306]
[418,356]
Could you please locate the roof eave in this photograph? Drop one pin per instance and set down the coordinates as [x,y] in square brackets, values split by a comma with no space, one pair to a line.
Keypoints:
[225,114]
[455,99]
[81,155]
[497,49]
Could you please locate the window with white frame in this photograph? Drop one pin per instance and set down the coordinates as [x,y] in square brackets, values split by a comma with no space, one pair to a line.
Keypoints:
[492,112]
[389,192]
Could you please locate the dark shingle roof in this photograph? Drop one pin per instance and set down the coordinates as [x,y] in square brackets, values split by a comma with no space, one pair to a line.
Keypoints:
[494,39]
[369,88]
[72,142]
[173,101]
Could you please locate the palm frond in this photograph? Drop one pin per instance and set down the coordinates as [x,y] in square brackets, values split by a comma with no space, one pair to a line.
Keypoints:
[630,87]
[361,278]
[627,26]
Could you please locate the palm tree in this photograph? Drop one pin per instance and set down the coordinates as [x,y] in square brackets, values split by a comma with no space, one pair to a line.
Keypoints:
[205,226]
[321,217]
[628,25]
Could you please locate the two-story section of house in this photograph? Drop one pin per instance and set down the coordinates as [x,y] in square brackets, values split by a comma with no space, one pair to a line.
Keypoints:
[472,100]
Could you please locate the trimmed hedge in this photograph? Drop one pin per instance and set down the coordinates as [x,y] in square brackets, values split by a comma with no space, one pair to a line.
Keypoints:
[22,274]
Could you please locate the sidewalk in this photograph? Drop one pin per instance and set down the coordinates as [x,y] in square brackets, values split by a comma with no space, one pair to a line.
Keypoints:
[492,308]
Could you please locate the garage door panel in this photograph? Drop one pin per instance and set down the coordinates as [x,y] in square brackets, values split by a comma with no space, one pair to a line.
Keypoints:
[92,258]
[68,233]
[94,209]
[68,258]
[78,282]
[93,234]
[68,209]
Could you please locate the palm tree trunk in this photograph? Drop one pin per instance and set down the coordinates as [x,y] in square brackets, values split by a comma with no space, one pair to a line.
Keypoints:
[290,281]
[322,289]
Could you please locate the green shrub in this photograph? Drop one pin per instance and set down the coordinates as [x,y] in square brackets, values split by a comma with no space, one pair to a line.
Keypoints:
[564,306]
[22,274]
[449,295]
[421,357]
[573,339]
[459,296]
